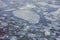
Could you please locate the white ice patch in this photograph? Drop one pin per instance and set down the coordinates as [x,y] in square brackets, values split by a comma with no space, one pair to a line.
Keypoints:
[13,38]
[2,4]
[27,15]
[56,12]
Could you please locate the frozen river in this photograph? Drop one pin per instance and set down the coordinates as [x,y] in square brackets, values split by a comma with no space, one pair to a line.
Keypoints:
[30,19]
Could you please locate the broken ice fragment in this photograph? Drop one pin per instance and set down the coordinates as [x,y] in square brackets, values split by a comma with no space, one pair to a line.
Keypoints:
[27,15]
[2,4]
[13,38]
